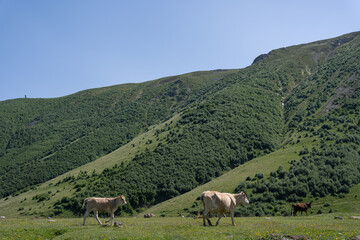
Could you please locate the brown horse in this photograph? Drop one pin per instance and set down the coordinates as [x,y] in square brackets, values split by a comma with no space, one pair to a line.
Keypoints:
[301,207]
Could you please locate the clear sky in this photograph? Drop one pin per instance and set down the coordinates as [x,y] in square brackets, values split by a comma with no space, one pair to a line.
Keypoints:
[53,48]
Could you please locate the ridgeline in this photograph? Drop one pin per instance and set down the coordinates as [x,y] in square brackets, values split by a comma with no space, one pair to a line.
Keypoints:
[175,134]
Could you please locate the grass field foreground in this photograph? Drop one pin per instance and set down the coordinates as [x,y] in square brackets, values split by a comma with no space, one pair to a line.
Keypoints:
[313,227]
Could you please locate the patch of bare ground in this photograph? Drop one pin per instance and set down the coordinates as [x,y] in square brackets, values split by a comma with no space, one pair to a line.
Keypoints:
[340,93]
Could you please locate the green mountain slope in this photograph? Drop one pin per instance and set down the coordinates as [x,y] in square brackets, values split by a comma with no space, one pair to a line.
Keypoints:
[299,104]
[63,133]
[63,186]
[188,204]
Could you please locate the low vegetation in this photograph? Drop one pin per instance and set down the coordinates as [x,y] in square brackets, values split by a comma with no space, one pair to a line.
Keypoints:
[314,227]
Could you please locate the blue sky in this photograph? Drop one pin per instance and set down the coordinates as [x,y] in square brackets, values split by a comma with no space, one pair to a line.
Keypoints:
[53,48]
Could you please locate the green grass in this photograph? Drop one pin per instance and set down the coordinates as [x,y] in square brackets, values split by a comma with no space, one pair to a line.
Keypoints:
[350,203]
[122,154]
[313,227]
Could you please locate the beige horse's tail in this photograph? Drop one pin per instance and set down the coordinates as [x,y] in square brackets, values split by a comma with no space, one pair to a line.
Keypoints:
[201,204]
[85,200]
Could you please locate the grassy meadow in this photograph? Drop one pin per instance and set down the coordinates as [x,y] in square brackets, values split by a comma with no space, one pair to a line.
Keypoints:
[313,227]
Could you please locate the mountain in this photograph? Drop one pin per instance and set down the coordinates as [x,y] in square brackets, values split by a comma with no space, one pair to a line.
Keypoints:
[63,133]
[178,133]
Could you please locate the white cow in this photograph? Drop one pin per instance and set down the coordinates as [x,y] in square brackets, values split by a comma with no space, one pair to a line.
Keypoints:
[103,205]
[221,203]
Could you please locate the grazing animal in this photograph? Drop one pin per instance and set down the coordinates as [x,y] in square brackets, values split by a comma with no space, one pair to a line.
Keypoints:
[301,207]
[103,205]
[221,203]
[149,215]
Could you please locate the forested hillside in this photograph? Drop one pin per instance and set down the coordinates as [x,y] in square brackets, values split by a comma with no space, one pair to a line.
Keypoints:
[43,138]
[225,118]
[325,108]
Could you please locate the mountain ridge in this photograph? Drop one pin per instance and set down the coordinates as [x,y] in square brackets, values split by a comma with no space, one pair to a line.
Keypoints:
[224,119]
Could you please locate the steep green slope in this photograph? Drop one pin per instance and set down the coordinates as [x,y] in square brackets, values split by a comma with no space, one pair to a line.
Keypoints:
[325,106]
[203,143]
[43,138]
[302,97]
[240,118]
[188,203]
[65,185]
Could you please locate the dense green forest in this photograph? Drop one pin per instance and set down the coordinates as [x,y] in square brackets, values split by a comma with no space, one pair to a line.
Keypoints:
[226,118]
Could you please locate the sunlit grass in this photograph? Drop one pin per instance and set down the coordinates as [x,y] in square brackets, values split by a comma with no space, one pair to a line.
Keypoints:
[313,227]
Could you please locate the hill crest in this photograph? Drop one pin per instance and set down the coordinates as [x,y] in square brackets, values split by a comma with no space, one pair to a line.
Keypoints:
[205,124]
